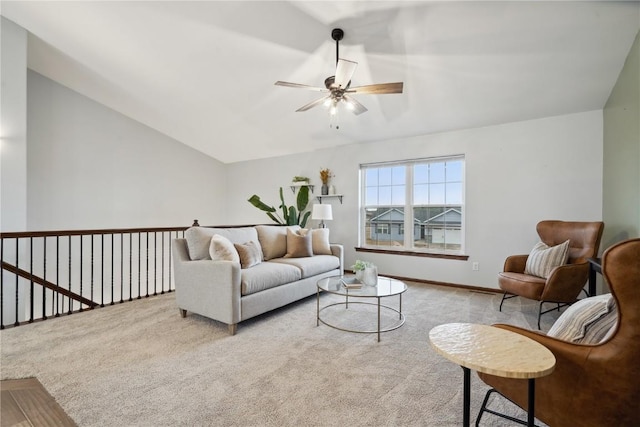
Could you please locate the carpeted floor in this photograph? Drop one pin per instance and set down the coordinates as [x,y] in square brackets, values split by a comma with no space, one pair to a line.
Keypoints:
[140,364]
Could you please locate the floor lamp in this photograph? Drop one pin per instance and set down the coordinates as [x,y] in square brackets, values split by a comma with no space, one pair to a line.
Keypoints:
[321,212]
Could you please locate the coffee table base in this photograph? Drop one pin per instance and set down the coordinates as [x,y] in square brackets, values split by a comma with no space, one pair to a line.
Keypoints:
[359,331]
[530,416]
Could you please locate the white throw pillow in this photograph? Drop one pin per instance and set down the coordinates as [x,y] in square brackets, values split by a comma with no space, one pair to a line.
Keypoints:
[221,249]
[587,321]
[543,259]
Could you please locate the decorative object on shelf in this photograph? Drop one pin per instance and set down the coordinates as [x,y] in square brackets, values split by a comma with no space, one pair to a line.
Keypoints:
[366,272]
[300,180]
[325,175]
[322,212]
[290,216]
[332,190]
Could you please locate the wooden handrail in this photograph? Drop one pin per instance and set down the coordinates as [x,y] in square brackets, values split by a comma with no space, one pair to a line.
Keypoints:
[35,279]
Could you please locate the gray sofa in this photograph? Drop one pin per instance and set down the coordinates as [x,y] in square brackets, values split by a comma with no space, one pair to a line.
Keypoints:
[223,291]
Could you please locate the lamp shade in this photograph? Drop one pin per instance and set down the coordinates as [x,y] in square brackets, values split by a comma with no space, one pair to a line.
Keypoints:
[321,212]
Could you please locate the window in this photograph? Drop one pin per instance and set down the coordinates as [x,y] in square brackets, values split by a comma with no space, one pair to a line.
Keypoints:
[425,197]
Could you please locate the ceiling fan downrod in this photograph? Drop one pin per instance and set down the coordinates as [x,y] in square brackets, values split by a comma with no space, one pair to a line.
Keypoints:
[337,34]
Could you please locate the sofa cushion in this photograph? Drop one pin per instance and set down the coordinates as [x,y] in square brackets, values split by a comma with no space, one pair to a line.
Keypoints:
[319,240]
[310,266]
[249,254]
[199,239]
[543,259]
[273,240]
[267,275]
[221,249]
[588,321]
[298,244]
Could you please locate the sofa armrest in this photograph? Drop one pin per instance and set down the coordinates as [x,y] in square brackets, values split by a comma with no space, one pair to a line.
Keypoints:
[515,263]
[206,287]
[338,250]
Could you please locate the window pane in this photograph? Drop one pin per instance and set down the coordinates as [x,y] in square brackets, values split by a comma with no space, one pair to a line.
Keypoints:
[398,195]
[371,196]
[398,175]
[420,194]
[420,174]
[371,177]
[436,172]
[384,176]
[436,194]
[384,195]
[454,193]
[454,171]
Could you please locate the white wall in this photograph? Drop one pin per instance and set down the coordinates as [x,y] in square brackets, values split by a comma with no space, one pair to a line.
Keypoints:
[91,167]
[13,127]
[516,175]
[621,182]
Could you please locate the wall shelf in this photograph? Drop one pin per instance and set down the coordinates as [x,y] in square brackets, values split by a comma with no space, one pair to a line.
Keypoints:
[294,187]
[329,196]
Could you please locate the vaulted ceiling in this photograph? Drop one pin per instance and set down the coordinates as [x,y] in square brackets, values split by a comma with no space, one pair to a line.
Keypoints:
[203,72]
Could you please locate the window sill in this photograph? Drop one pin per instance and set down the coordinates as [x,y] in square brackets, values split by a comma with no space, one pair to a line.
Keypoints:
[413,253]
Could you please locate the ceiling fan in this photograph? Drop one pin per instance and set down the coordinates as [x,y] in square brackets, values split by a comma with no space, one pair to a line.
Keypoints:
[339,87]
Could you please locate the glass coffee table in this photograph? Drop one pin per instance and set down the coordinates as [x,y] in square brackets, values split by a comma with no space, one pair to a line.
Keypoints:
[386,287]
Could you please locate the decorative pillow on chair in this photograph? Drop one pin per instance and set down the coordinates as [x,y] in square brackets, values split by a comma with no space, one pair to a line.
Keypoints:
[221,249]
[543,259]
[319,240]
[250,254]
[298,245]
[588,321]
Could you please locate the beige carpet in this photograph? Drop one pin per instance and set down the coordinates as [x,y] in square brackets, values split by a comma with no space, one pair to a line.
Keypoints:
[140,364]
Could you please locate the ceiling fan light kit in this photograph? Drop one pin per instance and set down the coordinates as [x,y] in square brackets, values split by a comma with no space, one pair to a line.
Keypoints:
[338,87]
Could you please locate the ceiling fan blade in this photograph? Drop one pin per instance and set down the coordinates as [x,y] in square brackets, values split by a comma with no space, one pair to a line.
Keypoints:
[344,72]
[356,108]
[313,103]
[378,89]
[300,86]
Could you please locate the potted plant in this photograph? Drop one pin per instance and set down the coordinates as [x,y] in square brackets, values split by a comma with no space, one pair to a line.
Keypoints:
[366,272]
[300,180]
[290,216]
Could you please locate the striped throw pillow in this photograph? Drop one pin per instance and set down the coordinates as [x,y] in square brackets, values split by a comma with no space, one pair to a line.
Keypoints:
[588,321]
[543,259]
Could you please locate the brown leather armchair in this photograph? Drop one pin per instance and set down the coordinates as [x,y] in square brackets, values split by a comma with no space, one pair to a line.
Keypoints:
[592,385]
[565,282]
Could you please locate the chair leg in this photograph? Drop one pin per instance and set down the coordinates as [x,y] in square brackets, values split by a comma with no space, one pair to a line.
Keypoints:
[183,313]
[540,313]
[504,296]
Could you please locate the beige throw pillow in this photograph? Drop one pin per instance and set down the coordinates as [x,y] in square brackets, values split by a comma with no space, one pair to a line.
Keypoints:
[319,240]
[543,259]
[221,249]
[249,253]
[273,239]
[298,245]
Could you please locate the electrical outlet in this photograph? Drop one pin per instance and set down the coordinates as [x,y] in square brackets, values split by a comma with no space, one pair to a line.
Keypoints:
[475,266]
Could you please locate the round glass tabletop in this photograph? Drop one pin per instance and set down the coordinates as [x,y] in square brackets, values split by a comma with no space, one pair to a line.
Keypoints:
[386,287]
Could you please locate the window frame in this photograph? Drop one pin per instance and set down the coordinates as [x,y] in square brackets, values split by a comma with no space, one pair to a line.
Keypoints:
[408,246]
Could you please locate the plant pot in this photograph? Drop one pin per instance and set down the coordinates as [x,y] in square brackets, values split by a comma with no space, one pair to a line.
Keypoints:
[370,276]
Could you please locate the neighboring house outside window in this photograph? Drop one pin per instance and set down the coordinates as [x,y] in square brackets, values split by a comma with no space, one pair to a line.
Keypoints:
[422,195]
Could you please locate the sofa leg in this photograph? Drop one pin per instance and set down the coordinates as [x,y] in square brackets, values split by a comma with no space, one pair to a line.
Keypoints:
[183,313]
[232,328]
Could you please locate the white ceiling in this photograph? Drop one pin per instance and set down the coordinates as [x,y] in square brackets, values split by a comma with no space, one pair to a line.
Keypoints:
[203,72]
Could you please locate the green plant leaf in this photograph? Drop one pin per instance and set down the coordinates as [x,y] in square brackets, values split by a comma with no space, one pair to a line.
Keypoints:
[305,217]
[255,201]
[303,199]
[293,216]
